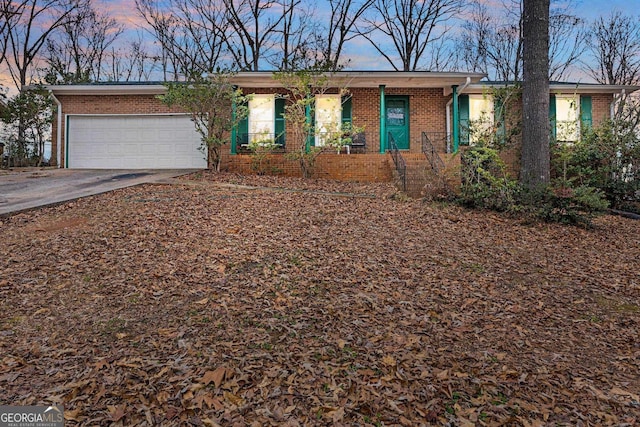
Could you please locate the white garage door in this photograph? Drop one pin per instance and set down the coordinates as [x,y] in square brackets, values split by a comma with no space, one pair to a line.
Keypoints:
[133,142]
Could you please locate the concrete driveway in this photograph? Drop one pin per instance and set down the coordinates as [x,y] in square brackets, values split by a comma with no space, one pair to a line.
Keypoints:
[36,187]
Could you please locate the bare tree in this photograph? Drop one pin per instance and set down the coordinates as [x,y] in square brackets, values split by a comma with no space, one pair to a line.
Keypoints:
[132,62]
[7,20]
[297,39]
[535,167]
[190,33]
[492,43]
[342,27]
[491,40]
[35,21]
[411,26]
[567,41]
[78,55]
[255,25]
[614,48]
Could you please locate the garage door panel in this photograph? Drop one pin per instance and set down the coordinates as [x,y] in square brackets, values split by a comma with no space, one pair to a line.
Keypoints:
[133,142]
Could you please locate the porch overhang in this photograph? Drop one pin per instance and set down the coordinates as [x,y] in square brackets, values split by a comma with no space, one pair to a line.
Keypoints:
[558,88]
[368,79]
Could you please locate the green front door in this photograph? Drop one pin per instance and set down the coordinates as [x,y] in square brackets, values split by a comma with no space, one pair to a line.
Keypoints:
[397,120]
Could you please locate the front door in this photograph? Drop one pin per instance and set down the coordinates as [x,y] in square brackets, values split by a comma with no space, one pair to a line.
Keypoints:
[397,120]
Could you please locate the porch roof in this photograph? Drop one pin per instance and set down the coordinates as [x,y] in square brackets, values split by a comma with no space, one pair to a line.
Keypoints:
[559,87]
[370,79]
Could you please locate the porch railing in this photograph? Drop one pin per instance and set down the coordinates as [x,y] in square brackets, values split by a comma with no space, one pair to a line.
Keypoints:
[398,160]
[429,150]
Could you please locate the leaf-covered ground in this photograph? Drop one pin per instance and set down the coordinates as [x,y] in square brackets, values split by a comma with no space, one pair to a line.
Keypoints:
[208,302]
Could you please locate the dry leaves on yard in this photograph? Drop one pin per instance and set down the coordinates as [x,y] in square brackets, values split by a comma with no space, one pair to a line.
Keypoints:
[315,303]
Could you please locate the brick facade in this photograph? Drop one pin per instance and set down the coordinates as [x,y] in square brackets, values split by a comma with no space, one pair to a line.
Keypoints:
[427,107]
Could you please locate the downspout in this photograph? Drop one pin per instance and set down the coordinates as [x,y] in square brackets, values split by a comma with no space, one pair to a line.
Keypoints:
[454,95]
[383,123]
[455,128]
[58,129]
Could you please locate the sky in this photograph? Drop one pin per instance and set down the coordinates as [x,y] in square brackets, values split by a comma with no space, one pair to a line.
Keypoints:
[362,55]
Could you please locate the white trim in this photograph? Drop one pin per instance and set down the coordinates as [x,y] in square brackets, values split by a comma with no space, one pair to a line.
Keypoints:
[124,114]
[58,129]
[97,89]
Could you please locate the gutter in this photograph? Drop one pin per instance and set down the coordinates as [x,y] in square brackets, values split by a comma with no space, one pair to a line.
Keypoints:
[467,83]
[58,129]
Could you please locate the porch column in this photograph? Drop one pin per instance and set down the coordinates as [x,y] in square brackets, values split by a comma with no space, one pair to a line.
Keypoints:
[234,129]
[455,119]
[383,122]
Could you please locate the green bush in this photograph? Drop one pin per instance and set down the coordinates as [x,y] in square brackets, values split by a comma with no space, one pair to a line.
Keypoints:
[485,185]
[561,204]
[606,158]
[261,150]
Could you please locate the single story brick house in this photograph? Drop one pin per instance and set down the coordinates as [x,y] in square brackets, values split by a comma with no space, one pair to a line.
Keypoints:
[125,126]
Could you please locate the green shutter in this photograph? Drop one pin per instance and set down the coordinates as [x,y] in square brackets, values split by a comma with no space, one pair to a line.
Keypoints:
[586,118]
[552,117]
[463,112]
[499,120]
[346,109]
[279,121]
[311,116]
[242,136]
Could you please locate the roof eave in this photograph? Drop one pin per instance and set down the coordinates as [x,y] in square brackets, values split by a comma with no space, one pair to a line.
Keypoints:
[131,89]
[367,79]
[561,88]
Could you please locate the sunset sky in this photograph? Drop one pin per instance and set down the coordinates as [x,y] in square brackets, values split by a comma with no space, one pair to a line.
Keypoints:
[362,55]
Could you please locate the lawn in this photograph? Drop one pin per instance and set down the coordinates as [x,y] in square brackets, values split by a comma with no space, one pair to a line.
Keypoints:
[315,303]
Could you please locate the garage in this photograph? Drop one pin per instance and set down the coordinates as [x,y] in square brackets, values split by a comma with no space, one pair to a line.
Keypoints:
[162,141]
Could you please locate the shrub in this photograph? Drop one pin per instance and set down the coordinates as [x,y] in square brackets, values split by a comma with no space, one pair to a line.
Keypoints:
[562,204]
[486,185]
[261,155]
[606,158]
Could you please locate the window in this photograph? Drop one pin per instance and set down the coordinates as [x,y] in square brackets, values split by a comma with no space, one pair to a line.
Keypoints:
[261,118]
[567,114]
[328,118]
[265,121]
[480,117]
[476,117]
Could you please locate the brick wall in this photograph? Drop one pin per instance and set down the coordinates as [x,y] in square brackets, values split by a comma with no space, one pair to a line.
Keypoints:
[370,167]
[601,108]
[427,113]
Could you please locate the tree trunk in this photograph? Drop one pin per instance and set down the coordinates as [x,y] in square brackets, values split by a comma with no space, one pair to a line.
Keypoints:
[535,95]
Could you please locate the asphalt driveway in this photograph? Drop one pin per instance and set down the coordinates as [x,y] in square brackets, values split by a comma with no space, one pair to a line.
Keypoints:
[32,188]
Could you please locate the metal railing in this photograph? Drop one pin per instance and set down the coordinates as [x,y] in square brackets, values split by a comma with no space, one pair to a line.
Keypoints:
[429,150]
[398,160]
